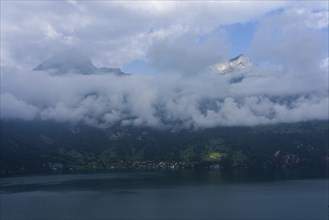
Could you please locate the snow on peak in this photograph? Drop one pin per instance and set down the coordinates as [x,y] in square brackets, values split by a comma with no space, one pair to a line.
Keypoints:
[237,63]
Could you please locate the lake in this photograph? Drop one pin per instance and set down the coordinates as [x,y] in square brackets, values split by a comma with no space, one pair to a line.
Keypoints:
[166,195]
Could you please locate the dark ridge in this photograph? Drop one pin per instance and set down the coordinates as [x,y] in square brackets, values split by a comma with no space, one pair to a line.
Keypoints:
[237,57]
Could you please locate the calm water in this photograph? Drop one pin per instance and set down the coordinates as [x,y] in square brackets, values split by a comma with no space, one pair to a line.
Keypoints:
[165,195]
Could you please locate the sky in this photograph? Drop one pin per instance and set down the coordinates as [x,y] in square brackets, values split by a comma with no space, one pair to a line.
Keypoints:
[168,47]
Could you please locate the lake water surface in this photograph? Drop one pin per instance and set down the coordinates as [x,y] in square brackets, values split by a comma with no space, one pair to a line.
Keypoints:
[165,195]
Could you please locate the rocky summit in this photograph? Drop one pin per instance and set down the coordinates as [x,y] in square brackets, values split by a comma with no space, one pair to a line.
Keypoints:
[72,61]
[240,62]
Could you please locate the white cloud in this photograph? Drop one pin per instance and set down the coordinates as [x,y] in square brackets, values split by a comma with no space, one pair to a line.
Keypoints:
[113,33]
[50,32]
[73,2]
[185,52]
[175,37]
[286,40]
[318,20]
[13,108]
[174,101]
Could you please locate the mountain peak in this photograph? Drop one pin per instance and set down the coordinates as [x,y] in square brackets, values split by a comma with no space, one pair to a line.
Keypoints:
[73,61]
[239,62]
[239,57]
[68,61]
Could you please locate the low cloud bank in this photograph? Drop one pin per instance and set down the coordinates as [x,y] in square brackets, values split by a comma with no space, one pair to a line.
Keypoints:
[165,101]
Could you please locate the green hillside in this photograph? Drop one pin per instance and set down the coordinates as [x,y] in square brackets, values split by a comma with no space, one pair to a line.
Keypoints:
[43,147]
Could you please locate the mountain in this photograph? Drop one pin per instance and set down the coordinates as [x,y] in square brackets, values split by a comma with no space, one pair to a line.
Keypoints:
[45,146]
[238,63]
[72,61]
